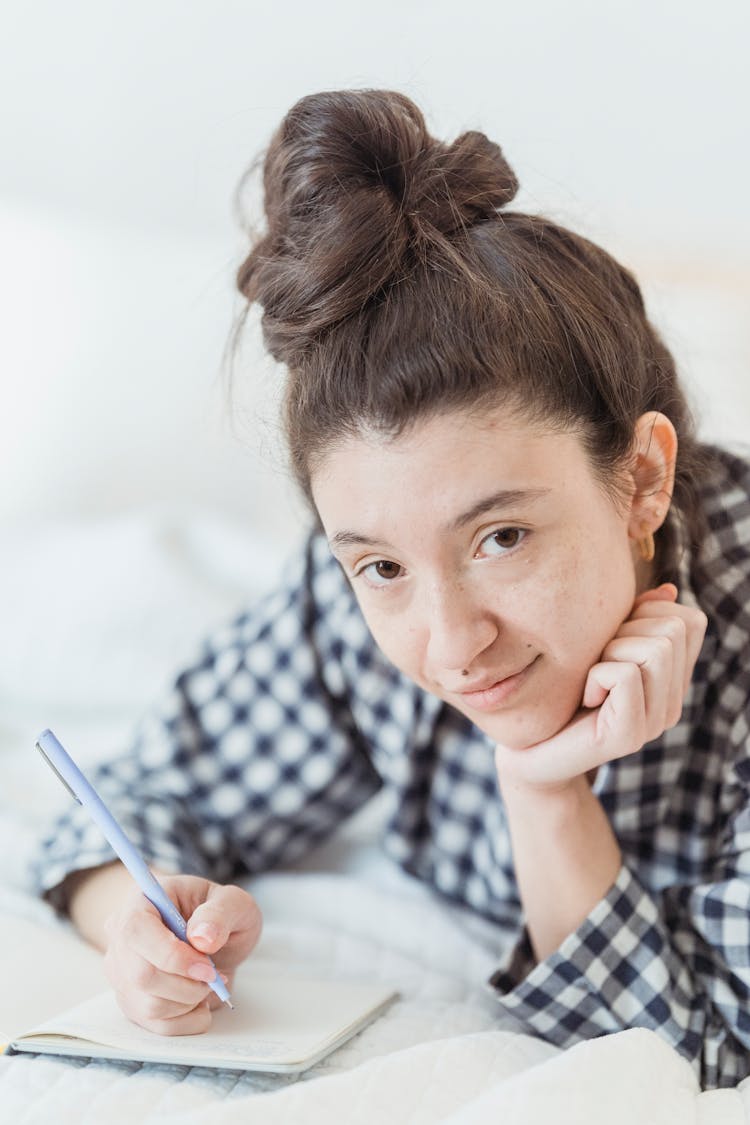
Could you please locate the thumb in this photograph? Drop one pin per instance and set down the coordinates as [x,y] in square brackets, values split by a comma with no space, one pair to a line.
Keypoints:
[228,911]
[206,930]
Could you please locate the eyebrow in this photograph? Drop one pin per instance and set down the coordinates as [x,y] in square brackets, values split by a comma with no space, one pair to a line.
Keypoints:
[504,498]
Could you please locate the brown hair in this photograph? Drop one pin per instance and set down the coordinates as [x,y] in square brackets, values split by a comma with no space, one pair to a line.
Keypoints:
[395,284]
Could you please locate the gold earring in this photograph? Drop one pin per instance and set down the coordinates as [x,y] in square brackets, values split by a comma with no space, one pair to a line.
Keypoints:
[647,547]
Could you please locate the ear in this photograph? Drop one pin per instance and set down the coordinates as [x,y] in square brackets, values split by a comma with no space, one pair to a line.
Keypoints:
[653,466]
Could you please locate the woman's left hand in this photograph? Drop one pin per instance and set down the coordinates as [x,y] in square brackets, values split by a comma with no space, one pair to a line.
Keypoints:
[631,696]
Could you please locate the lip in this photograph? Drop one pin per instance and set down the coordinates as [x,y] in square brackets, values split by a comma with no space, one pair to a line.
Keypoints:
[490,697]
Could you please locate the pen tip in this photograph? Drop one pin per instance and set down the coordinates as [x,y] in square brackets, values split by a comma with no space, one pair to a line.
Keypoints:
[231,1005]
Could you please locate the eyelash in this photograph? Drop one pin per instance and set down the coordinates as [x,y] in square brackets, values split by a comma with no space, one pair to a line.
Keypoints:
[362,572]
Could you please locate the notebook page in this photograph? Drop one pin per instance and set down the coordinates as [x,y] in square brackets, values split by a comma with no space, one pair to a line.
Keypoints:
[49,969]
[275,1019]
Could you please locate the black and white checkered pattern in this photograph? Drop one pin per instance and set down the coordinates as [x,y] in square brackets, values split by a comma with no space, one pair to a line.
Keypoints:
[292,718]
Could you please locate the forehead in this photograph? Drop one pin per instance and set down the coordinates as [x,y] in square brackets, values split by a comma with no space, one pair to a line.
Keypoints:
[444,461]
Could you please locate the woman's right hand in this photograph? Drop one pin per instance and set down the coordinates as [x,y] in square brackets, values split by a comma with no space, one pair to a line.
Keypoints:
[160,981]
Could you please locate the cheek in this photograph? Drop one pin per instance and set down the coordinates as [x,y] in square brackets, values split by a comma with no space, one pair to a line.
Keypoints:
[396,638]
[585,602]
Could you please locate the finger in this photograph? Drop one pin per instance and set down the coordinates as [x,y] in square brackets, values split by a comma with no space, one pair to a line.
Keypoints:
[612,730]
[671,625]
[228,917]
[695,623]
[692,616]
[697,626]
[146,959]
[667,592]
[142,1011]
[674,628]
[158,994]
[620,720]
[661,663]
[566,755]
[143,933]
[215,1001]
[128,971]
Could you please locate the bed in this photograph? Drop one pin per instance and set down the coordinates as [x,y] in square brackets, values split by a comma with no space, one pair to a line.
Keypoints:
[440,1053]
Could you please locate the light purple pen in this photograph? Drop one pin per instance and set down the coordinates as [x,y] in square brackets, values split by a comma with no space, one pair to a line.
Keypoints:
[84,793]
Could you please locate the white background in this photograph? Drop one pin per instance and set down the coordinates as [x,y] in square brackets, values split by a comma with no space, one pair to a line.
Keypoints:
[126,125]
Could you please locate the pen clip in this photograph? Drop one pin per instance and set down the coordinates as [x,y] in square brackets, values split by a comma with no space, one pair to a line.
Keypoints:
[54,769]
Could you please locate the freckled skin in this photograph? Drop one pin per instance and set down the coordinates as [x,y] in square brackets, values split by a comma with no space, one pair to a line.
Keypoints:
[461,603]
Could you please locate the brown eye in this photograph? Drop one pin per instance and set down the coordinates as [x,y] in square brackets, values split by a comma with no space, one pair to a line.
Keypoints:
[502,540]
[385,569]
[507,536]
[381,572]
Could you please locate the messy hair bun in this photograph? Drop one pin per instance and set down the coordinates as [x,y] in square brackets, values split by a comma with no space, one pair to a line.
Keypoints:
[355,189]
[395,284]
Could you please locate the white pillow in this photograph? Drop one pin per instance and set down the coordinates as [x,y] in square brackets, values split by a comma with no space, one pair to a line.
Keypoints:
[97,616]
[113,394]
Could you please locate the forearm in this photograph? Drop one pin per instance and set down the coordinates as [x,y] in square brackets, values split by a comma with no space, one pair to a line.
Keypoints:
[93,894]
[566,858]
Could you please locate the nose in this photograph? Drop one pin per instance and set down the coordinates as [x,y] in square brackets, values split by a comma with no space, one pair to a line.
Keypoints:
[458,629]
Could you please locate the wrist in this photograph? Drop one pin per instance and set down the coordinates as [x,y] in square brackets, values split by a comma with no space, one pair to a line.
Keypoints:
[565,857]
[92,895]
[562,798]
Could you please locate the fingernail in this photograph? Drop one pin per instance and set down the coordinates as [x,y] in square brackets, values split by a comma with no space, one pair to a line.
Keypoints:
[205,931]
[201,971]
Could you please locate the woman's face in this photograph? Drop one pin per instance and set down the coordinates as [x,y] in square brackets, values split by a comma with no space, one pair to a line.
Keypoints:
[490,565]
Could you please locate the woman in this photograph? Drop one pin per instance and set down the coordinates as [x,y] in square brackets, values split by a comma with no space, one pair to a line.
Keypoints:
[499,615]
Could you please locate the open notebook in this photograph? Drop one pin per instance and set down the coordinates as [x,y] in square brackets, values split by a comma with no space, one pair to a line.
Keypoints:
[281,1022]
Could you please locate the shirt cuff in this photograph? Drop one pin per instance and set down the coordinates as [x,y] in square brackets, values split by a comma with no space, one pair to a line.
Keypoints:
[608,975]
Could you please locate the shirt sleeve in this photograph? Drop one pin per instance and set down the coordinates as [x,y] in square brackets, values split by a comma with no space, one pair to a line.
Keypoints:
[677,962]
[252,758]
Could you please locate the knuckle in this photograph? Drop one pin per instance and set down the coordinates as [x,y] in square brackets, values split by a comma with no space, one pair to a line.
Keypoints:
[124,1004]
[677,627]
[152,1013]
[257,924]
[631,674]
[132,1008]
[129,926]
[662,647]
[674,716]
[178,957]
[701,619]
[202,1017]
[152,1008]
[191,1023]
[144,974]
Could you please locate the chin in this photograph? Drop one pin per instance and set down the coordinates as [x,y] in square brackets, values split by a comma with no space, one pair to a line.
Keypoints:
[524,729]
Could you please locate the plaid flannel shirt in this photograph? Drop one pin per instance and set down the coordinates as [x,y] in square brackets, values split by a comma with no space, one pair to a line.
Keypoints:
[291,718]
